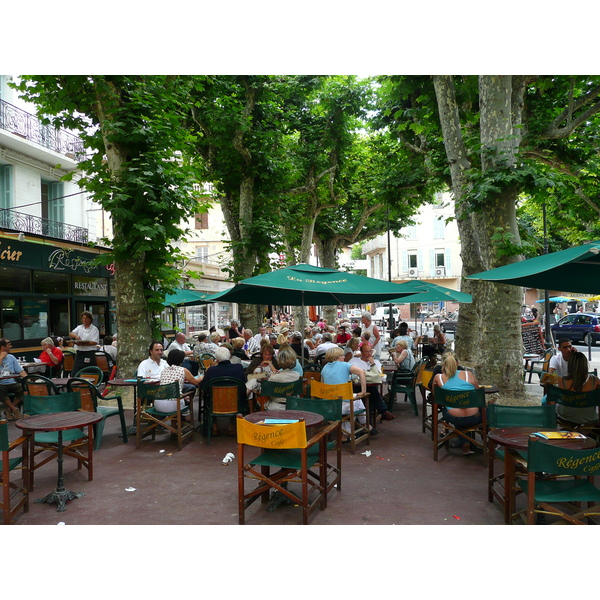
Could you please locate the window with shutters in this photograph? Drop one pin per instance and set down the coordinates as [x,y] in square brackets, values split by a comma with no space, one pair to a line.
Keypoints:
[412,259]
[202,253]
[5,186]
[440,258]
[201,220]
[438,229]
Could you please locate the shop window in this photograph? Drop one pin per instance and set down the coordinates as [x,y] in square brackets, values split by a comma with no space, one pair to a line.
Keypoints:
[51,283]
[12,327]
[15,280]
[35,319]
[58,317]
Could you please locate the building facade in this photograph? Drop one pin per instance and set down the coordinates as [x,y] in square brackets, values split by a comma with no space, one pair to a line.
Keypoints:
[48,230]
[429,250]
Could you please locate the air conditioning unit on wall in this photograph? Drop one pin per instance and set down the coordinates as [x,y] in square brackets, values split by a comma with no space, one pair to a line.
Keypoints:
[413,272]
[440,271]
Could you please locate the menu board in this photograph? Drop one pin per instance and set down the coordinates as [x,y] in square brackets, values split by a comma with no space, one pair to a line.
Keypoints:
[533,339]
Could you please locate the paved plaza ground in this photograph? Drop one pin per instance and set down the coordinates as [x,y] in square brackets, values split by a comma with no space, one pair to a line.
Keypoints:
[398,484]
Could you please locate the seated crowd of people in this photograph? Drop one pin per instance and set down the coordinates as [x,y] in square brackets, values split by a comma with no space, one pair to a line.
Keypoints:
[277,355]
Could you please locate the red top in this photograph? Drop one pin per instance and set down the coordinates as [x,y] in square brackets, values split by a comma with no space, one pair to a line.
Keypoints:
[46,359]
[342,338]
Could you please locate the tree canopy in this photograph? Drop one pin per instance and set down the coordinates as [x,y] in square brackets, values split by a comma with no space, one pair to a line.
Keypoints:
[138,168]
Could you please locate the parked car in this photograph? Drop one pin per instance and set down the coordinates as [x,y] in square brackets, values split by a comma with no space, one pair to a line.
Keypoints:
[449,323]
[578,327]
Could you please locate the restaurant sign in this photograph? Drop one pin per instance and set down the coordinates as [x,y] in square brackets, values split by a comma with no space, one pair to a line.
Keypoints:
[50,257]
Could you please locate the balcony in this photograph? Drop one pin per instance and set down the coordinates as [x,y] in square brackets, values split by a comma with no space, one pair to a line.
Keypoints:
[20,222]
[27,126]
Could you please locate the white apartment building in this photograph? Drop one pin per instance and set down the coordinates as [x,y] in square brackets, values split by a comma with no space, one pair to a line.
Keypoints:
[428,250]
[205,247]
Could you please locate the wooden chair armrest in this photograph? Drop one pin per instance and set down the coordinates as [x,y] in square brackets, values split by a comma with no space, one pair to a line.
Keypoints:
[15,443]
[317,437]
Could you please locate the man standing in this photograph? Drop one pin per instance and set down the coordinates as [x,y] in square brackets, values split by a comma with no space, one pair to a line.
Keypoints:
[559,363]
[9,386]
[152,367]
[179,343]
[374,335]
[87,340]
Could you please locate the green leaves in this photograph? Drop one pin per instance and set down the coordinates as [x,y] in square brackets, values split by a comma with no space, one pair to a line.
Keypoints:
[146,183]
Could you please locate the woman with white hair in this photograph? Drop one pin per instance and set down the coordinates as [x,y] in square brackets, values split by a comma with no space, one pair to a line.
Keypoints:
[373,331]
[287,359]
[337,371]
[402,356]
[51,356]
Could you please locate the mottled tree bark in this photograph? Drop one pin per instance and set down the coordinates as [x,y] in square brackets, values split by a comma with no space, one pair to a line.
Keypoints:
[133,325]
[327,251]
[488,332]
[468,334]
[501,350]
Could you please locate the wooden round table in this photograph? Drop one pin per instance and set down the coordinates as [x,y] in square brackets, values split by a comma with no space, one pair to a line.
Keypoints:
[60,422]
[517,438]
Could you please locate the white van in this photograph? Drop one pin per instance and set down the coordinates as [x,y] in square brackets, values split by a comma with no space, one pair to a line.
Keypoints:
[382,314]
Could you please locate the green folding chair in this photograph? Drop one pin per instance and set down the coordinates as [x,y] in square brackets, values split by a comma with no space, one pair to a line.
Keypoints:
[562,497]
[542,416]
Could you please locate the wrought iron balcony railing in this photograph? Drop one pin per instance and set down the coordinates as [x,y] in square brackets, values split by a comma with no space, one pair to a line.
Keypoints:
[16,221]
[29,127]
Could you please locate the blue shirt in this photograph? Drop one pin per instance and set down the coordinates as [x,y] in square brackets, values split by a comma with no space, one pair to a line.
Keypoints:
[13,366]
[456,384]
[335,372]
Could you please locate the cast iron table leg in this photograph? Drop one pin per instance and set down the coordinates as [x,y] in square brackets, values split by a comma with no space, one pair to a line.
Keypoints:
[60,495]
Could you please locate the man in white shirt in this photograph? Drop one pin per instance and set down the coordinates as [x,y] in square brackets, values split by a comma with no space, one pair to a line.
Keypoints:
[87,340]
[179,343]
[326,344]
[153,366]
[365,362]
[559,363]
[251,346]
[261,335]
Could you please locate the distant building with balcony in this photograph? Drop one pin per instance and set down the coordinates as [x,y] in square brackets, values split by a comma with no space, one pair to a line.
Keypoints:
[205,246]
[47,231]
[428,250]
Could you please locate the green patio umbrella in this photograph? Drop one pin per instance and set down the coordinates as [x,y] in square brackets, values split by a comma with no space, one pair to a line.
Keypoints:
[183,297]
[430,292]
[575,269]
[304,284]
